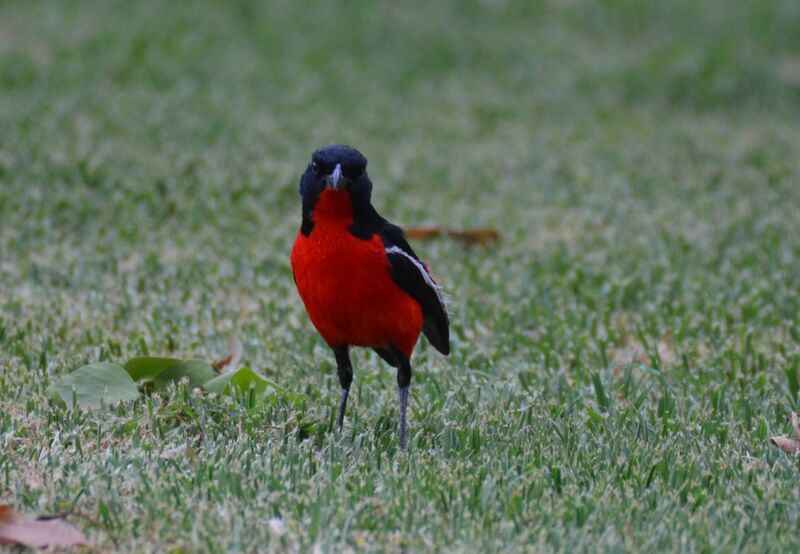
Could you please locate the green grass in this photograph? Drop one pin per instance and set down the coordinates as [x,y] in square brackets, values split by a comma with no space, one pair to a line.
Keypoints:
[619,361]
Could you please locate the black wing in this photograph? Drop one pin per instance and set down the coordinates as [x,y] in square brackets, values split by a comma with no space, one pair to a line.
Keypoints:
[413,277]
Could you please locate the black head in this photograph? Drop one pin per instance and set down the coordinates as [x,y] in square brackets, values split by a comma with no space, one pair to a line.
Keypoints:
[337,167]
[352,164]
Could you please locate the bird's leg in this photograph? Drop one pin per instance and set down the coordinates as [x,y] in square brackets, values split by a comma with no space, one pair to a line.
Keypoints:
[404,384]
[345,372]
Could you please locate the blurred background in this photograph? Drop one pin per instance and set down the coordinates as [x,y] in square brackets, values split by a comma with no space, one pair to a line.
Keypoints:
[153,142]
[641,161]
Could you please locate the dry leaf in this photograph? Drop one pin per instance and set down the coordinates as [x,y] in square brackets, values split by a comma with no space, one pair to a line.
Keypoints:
[235,351]
[789,445]
[482,237]
[37,533]
[423,233]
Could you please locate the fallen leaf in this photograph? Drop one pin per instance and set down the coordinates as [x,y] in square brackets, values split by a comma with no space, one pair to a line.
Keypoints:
[235,351]
[148,367]
[241,380]
[37,533]
[423,233]
[159,373]
[482,236]
[198,373]
[93,384]
[790,445]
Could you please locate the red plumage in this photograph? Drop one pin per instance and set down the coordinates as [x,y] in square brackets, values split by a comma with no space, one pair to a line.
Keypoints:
[346,282]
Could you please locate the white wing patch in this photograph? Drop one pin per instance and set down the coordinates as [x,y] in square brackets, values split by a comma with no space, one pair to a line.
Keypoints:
[425,275]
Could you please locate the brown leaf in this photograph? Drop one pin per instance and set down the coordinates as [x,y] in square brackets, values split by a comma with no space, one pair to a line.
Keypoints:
[423,233]
[789,445]
[37,533]
[229,362]
[481,237]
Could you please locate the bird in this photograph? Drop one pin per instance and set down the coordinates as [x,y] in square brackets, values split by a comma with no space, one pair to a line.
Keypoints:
[361,283]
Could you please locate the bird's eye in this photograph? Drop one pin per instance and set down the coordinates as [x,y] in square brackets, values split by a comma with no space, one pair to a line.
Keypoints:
[314,168]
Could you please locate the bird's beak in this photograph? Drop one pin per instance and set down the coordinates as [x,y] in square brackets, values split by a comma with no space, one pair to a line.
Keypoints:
[335,178]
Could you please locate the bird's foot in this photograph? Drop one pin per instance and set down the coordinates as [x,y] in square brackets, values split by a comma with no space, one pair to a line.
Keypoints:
[342,406]
[403,410]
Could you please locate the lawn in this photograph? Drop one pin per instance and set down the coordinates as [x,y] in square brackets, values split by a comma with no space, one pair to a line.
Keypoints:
[620,358]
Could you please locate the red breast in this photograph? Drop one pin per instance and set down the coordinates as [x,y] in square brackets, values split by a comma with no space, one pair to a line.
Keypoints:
[346,284]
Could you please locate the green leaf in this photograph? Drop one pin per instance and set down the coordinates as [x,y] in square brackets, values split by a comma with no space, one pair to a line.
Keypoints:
[148,367]
[94,384]
[199,372]
[241,380]
[163,371]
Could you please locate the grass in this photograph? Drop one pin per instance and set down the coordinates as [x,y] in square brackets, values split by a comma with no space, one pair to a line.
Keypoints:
[619,361]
